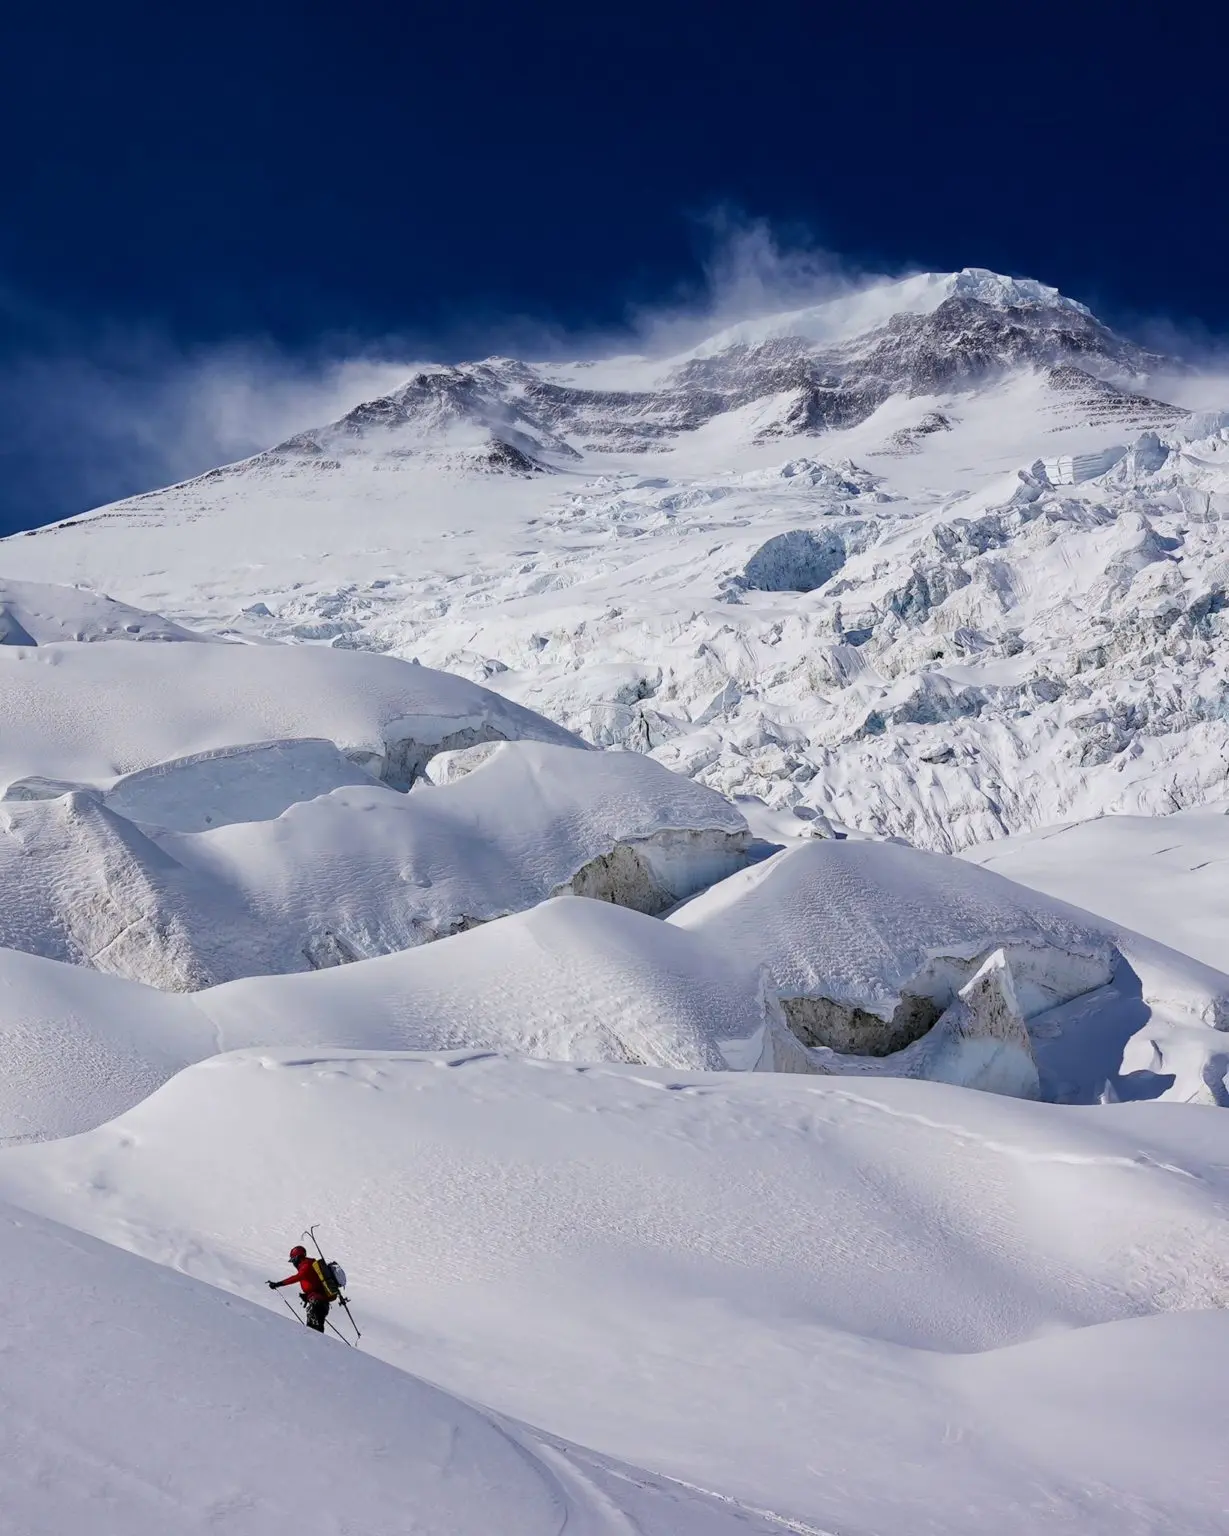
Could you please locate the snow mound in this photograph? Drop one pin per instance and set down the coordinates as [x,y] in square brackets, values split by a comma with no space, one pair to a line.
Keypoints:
[355,873]
[187,1423]
[869,943]
[89,887]
[885,936]
[38,613]
[80,1048]
[769,1286]
[87,714]
[381,871]
[573,980]
[570,980]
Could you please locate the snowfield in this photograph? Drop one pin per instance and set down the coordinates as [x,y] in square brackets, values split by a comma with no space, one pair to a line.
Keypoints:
[869,1307]
[200,1420]
[521,841]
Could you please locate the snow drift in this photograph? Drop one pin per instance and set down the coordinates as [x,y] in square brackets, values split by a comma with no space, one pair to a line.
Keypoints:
[39,613]
[572,980]
[79,1048]
[254,782]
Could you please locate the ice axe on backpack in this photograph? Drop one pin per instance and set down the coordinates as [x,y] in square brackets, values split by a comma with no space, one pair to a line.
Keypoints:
[329,1270]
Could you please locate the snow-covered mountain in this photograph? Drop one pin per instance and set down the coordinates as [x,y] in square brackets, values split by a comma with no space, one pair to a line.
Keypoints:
[480,825]
[929,561]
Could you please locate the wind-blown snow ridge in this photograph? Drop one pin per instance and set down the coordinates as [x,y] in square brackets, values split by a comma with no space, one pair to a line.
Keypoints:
[841,318]
[91,714]
[570,980]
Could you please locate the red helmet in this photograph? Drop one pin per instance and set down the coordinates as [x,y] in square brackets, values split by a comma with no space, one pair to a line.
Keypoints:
[297,1252]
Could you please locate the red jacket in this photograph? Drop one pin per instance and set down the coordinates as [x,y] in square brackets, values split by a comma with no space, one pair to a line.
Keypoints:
[307,1275]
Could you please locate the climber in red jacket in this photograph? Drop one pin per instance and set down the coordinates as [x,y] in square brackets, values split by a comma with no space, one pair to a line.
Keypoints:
[316,1294]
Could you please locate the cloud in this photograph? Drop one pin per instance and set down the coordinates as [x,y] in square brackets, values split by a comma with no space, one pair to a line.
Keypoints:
[748,268]
[90,419]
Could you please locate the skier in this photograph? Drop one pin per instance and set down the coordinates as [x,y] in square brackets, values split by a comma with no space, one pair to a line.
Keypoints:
[316,1293]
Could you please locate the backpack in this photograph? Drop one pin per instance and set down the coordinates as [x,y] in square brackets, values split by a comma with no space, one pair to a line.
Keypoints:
[331,1276]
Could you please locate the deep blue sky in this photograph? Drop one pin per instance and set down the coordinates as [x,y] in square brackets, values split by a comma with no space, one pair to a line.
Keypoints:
[322,176]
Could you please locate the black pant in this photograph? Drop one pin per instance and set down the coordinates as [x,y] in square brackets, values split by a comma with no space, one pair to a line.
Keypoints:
[317,1310]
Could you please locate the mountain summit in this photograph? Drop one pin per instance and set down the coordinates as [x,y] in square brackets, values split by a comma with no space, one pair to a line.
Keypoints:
[813,370]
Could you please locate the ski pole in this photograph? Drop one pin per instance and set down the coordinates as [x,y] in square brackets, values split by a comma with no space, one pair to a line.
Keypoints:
[311,1232]
[292,1311]
[341,1336]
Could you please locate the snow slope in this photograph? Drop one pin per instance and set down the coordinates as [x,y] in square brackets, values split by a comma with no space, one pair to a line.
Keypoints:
[872,1307]
[347,875]
[1165,876]
[80,1048]
[34,613]
[211,1415]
